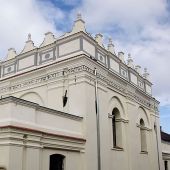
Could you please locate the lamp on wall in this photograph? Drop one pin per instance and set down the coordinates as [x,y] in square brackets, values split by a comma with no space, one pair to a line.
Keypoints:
[65,98]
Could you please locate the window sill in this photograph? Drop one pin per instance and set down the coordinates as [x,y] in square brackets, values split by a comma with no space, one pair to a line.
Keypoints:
[117,149]
[144,152]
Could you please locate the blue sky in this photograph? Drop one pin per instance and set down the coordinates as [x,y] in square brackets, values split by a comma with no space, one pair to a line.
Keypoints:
[141,28]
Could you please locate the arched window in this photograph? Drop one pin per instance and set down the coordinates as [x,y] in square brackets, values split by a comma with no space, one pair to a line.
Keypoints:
[143,136]
[56,162]
[116,128]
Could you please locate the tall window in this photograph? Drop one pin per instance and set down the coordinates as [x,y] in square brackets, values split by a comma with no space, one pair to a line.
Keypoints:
[116,127]
[143,136]
[56,162]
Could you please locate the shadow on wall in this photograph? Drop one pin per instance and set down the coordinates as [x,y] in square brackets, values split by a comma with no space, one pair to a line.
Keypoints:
[2,168]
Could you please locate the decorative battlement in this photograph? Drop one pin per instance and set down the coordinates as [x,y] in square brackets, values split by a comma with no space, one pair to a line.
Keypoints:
[76,42]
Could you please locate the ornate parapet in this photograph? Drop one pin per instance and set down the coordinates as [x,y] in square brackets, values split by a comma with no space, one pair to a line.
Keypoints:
[67,47]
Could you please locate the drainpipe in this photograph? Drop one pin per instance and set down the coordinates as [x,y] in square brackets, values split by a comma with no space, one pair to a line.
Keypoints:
[155,128]
[97,121]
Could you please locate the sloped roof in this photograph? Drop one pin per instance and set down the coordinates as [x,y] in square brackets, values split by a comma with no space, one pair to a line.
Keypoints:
[165,136]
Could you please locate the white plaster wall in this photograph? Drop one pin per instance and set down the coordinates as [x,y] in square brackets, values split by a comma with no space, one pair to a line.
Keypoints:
[15,158]
[4,158]
[33,158]
[28,117]
[90,129]
[165,147]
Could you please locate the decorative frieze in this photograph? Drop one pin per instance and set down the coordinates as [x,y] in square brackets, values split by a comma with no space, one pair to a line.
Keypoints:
[113,83]
[31,82]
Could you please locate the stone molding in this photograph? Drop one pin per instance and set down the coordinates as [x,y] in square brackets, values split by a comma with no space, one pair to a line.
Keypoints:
[13,135]
[113,83]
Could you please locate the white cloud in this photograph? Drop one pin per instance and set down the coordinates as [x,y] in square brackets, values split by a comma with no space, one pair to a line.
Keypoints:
[125,13]
[18,18]
[137,27]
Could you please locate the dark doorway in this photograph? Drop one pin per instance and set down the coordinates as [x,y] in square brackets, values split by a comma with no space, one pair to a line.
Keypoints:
[56,162]
[166,165]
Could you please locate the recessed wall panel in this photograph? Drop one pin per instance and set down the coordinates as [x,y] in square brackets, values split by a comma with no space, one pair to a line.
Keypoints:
[133,78]
[89,48]
[114,65]
[26,62]
[69,47]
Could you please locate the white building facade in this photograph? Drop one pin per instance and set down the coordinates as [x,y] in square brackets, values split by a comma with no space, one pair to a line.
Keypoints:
[165,149]
[49,97]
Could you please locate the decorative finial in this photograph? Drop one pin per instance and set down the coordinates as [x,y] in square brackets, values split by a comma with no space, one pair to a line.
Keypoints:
[110,46]
[129,56]
[79,25]
[130,61]
[110,41]
[99,39]
[49,39]
[29,37]
[11,53]
[138,68]
[121,56]
[29,45]
[146,74]
[79,16]
[145,70]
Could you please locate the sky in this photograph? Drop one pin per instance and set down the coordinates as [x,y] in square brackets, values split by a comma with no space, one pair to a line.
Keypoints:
[141,28]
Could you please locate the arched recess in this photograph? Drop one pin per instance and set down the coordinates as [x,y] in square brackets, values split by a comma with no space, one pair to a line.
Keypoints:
[142,114]
[143,123]
[116,120]
[33,97]
[115,102]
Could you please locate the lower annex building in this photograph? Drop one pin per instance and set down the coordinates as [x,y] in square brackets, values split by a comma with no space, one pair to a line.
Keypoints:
[72,104]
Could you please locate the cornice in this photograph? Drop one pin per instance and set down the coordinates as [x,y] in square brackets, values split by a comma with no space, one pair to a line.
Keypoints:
[112,80]
[26,137]
[12,99]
